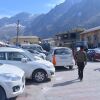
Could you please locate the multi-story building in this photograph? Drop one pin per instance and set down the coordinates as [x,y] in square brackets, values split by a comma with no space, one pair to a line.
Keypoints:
[68,38]
[92,36]
[26,39]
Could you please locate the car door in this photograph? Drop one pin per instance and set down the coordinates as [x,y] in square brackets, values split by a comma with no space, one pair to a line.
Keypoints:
[63,56]
[15,58]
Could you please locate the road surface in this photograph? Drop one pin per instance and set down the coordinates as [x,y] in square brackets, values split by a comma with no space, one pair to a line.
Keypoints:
[65,86]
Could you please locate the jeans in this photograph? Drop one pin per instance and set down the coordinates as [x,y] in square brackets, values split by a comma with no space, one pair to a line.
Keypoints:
[81,66]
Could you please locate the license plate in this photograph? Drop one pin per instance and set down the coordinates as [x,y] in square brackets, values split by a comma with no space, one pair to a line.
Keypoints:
[63,57]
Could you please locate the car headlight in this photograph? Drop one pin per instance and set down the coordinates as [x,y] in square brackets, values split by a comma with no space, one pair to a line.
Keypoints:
[10,77]
[48,66]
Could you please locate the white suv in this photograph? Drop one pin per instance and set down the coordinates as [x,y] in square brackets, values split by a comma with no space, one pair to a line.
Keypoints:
[61,56]
[12,81]
[36,69]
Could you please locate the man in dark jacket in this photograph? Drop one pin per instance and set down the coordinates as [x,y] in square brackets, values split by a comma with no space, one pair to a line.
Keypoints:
[81,61]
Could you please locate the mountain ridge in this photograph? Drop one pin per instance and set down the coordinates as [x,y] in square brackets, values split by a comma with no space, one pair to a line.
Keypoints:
[63,17]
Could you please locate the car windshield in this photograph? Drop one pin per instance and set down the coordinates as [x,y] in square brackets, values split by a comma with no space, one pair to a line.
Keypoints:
[33,51]
[31,56]
[90,51]
[97,51]
[39,47]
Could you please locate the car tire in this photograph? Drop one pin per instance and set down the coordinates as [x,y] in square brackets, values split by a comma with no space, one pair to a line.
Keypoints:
[70,67]
[39,76]
[2,94]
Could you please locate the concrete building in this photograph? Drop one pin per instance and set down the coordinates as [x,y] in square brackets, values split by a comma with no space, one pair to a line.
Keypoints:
[92,36]
[26,39]
[68,38]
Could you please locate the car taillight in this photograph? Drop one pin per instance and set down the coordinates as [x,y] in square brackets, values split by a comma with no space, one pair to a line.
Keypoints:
[54,60]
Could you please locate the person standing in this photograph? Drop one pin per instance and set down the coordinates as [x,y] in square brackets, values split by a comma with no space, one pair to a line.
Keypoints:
[81,61]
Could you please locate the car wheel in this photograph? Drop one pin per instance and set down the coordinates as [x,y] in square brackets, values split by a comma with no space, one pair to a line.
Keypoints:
[2,94]
[70,67]
[39,76]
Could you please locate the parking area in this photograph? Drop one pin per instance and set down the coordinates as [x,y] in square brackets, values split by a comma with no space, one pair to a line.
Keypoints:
[65,86]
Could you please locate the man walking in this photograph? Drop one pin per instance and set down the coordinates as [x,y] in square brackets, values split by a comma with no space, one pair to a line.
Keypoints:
[81,61]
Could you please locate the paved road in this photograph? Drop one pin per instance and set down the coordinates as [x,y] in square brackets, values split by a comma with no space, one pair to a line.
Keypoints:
[65,86]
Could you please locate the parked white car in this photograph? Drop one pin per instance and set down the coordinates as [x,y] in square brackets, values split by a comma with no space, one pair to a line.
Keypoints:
[34,67]
[12,81]
[61,56]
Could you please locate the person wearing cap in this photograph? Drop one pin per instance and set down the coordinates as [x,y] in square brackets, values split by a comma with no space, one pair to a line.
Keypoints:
[81,61]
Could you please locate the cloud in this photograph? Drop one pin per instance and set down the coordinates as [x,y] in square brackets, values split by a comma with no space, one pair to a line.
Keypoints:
[50,5]
[54,3]
[60,1]
[12,25]
[5,13]
[2,16]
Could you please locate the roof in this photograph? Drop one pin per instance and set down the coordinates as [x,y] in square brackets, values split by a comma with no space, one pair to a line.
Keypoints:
[27,37]
[2,43]
[91,30]
[30,45]
[48,39]
[9,49]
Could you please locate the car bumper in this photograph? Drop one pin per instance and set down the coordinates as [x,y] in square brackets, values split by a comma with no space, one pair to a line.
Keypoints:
[13,89]
[66,64]
[51,73]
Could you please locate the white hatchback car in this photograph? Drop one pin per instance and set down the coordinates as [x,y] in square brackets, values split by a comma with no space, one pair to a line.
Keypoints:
[61,56]
[36,69]
[12,81]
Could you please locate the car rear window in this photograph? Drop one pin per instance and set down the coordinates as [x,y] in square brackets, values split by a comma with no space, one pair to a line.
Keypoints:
[62,51]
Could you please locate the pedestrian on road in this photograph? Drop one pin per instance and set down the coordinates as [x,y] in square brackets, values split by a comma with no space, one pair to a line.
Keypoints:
[80,61]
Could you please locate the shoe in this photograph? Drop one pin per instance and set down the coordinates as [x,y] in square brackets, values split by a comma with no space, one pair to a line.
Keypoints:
[78,78]
[81,79]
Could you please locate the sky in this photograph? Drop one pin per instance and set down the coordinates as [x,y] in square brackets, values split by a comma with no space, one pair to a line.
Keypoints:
[11,7]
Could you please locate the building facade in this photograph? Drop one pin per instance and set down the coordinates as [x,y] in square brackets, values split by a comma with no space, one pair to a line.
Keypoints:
[26,39]
[92,36]
[68,39]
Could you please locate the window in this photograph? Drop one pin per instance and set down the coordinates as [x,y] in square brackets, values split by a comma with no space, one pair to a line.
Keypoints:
[73,36]
[97,51]
[89,39]
[31,51]
[62,51]
[2,56]
[95,37]
[39,48]
[16,56]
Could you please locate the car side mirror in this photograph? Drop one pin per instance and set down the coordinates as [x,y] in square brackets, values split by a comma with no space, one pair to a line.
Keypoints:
[24,60]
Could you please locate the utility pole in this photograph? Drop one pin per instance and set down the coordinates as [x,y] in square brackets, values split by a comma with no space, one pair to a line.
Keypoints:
[17,32]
